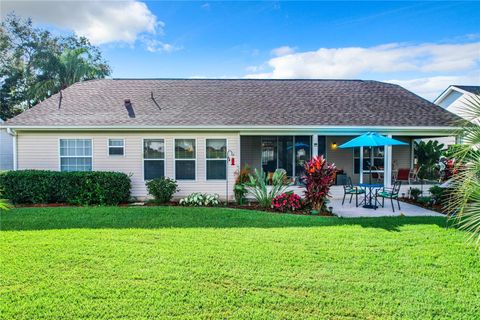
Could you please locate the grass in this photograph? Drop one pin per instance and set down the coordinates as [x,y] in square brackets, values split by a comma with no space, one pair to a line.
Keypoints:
[225,263]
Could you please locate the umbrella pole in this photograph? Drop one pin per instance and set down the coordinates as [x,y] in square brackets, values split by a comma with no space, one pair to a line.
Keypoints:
[370,176]
[370,163]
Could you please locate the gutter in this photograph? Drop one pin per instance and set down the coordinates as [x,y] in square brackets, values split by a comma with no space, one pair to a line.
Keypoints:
[230,128]
[433,131]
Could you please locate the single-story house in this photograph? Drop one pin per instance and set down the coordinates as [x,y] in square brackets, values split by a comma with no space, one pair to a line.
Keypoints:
[202,132]
[6,149]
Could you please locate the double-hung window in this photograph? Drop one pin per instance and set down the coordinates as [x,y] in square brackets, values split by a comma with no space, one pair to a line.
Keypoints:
[116,147]
[75,154]
[185,159]
[153,158]
[216,157]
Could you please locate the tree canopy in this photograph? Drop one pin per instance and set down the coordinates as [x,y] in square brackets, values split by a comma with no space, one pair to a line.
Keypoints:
[35,64]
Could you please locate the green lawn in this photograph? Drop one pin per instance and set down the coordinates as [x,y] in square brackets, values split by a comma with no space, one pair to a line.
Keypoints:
[224,263]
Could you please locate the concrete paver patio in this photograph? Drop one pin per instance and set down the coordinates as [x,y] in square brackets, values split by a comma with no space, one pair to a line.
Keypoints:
[348,210]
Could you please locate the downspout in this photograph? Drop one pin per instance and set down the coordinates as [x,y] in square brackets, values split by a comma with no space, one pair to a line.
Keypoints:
[13,133]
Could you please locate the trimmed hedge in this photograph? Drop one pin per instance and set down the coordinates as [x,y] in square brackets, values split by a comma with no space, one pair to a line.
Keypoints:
[81,188]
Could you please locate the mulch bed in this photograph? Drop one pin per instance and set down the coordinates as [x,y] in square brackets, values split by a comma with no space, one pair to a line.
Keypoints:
[249,206]
[256,207]
[436,207]
[44,205]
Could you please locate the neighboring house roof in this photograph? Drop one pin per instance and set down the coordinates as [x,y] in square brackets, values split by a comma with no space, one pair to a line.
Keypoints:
[201,102]
[471,89]
[453,92]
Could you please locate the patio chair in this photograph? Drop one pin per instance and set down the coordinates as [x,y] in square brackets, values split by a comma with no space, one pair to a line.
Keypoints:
[390,193]
[352,190]
[413,174]
[403,175]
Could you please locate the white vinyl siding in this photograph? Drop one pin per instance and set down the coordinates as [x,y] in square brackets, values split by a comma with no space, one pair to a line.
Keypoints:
[39,150]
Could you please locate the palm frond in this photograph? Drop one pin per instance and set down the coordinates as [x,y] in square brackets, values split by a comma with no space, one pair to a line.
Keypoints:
[464,200]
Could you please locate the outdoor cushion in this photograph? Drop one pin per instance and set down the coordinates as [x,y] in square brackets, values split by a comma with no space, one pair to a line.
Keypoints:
[354,190]
[386,194]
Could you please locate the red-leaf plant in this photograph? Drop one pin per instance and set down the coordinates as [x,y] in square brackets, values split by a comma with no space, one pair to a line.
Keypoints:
[287,202]
[319,177]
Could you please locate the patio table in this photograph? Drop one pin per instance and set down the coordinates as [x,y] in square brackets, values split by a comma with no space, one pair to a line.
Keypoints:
[370,187]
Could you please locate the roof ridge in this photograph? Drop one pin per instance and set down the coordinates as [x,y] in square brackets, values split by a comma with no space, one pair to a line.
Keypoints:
[240,79]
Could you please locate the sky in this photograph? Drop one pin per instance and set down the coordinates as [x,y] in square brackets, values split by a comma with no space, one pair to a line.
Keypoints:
[423,46]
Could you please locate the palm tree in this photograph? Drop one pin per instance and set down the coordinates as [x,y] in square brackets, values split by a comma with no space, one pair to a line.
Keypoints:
[465,198]
[61,71]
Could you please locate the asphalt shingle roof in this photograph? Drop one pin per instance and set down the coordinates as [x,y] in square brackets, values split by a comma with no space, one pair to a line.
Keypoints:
[198,102]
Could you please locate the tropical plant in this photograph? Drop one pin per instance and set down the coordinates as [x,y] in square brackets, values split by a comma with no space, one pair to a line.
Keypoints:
[287,202]
[162,189]
[319,177]
[198,199]
[239,188]
[428,153]
[64,69]
[464,199]
[258,182]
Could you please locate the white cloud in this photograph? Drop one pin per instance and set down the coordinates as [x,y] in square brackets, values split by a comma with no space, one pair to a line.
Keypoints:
[431,87]
[254,68]
[100,21]
[389,58]
[153,45]
[282,51]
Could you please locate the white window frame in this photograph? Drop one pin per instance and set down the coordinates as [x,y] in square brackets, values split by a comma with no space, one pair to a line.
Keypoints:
[175,160]
[123,147]
[74,138]
[207,159]
[371,158]
[164,159]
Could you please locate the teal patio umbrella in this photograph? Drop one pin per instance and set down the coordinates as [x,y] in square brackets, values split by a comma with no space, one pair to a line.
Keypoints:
[371,139]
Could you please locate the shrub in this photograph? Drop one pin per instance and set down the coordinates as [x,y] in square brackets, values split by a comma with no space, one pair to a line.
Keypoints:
[287,202]
[415,193]
[162,189]
[437,194]
[84,188]
[198,199]
[257,185]
[424,200]
[319,177]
